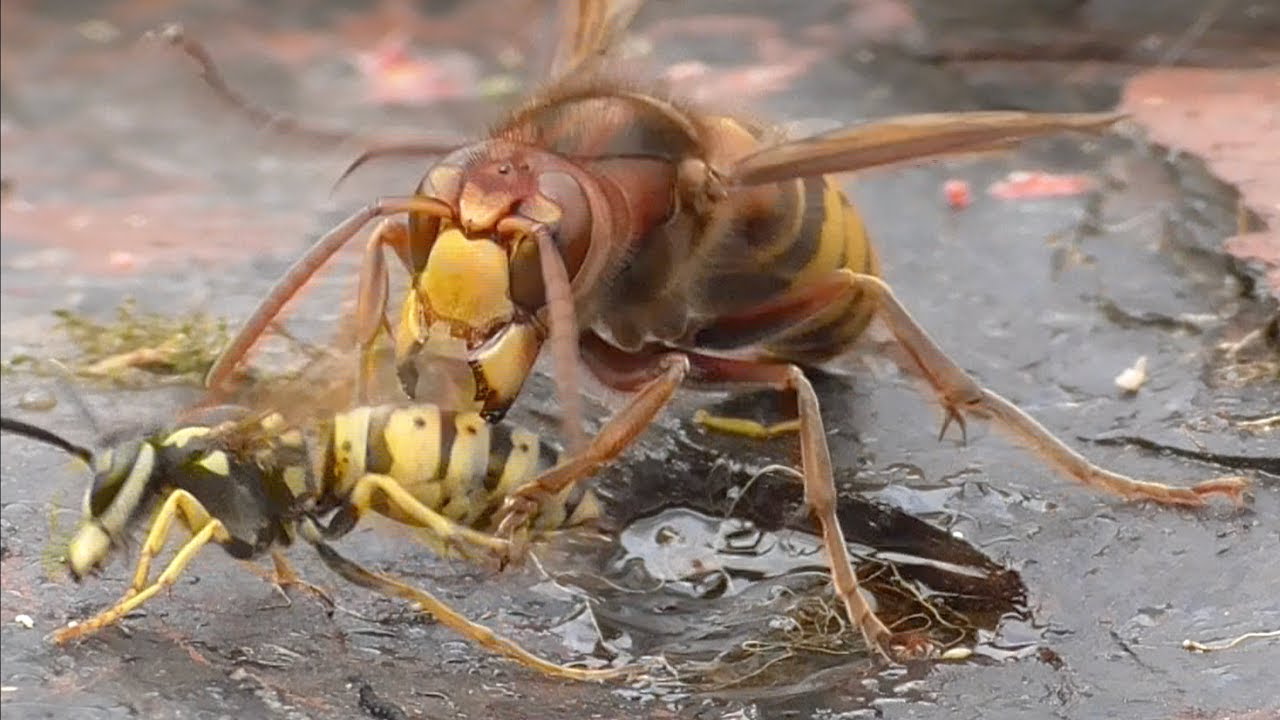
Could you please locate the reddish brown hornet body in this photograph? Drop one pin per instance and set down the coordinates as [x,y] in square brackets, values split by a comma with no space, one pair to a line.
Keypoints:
[666,246]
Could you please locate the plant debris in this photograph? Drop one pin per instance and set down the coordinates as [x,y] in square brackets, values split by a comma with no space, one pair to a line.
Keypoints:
[180,347]
[1199,647]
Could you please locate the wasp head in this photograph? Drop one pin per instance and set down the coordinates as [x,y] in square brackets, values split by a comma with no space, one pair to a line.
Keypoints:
[122,487]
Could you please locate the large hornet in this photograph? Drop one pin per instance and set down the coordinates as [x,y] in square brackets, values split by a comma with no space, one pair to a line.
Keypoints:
[663,245]
[254,483]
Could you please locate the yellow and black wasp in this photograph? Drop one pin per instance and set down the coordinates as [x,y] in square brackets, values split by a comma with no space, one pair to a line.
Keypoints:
[254,484]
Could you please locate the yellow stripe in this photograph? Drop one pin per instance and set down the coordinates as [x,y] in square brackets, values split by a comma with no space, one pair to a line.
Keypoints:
[102,463]
[350,447]
[831,244]
[216,462]
[413,440]
[127,499]
[856,242]
[520,466]
[179,438]
[468,464]
[295,478]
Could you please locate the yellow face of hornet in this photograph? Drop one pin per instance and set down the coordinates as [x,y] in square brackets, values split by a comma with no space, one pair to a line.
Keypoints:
[463,341]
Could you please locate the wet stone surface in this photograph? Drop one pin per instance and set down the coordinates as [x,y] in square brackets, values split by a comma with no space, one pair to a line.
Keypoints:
[124,180]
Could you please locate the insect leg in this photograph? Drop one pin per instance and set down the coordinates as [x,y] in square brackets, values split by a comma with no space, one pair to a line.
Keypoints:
[962,396]
[285,577]
[819,480]
[445,614]
[655,378]
[205,529]
[194,516]
[371,297]
[398,504]
[758,325]
[301,272]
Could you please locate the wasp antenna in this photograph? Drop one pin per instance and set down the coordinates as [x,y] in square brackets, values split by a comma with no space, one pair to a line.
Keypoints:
[62,375]
[174,35]
[35,432]
[411,148]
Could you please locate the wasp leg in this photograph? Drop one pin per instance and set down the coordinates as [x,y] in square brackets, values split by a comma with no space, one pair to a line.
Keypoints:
[401,506]
[819,479]
[371,298]
[205,529]
[654,377]
[658,373]
[300,273]
[819,484]
[285,577]
[446,615]
[961,395]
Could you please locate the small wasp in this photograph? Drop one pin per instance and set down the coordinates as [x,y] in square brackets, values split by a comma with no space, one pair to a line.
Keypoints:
[253,484]
[662,245]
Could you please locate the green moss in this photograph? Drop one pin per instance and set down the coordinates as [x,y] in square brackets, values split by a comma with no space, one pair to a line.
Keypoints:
[183,346]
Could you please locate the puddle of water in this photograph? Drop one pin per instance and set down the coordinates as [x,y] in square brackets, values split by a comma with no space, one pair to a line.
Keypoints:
[735,609]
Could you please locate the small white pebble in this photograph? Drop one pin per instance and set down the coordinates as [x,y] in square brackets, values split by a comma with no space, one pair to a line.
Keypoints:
[25,621]
[957,534]
[1134,377]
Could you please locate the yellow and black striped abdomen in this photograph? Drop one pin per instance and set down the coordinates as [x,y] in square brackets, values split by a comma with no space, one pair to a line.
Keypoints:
[828,240]
[793,235]
[454,463]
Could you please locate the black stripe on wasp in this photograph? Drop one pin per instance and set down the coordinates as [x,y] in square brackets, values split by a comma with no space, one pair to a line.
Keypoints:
[254,484]
[662,245]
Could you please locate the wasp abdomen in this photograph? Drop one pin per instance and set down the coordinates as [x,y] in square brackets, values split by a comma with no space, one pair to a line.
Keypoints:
[454,463]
